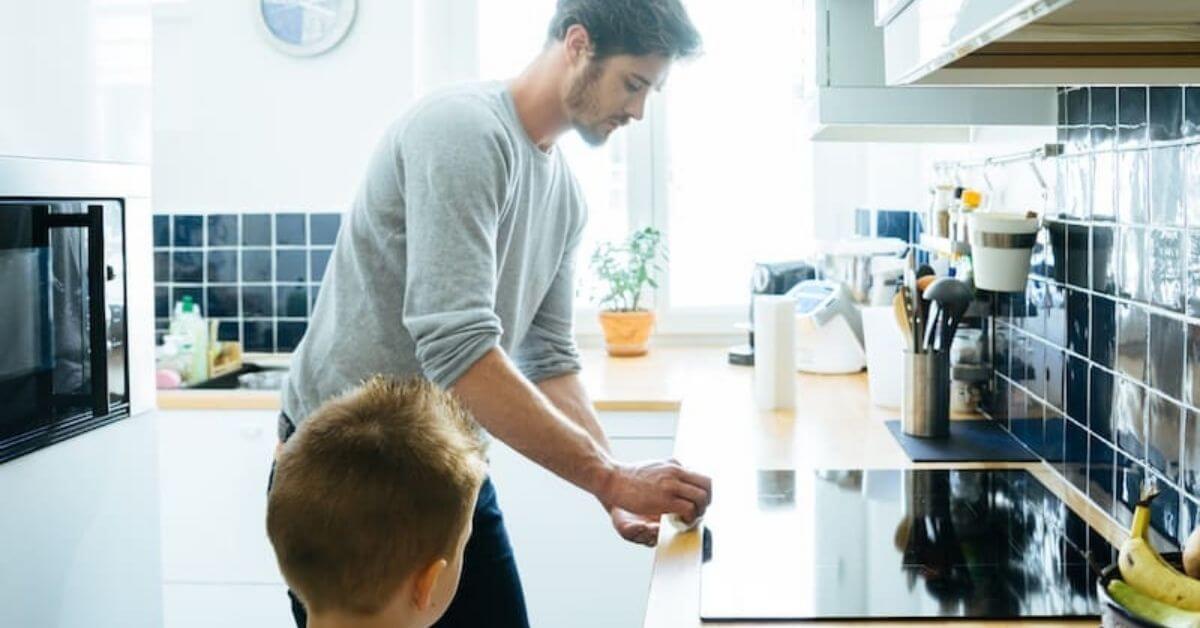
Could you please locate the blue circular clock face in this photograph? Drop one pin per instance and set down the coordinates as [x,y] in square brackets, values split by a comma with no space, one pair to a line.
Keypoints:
[307,23]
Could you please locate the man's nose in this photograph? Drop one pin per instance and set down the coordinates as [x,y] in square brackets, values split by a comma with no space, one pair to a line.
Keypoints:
[637,107]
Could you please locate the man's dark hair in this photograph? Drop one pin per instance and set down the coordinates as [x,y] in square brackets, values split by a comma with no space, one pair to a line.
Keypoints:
[633,27]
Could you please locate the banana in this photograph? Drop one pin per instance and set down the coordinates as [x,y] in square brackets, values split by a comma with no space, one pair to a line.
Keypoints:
[1147,607]
[1145,570]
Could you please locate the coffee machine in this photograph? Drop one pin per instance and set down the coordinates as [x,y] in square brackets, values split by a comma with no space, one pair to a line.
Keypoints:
[769,278]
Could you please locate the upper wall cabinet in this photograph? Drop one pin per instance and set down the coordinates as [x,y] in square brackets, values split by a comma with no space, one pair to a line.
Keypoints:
[1040,42]
[846,98]
[76,79]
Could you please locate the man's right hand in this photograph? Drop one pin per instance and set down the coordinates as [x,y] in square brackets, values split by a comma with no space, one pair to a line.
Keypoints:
[656,488]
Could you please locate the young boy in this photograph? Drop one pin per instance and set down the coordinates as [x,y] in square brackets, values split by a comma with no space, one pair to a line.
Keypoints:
[371,504]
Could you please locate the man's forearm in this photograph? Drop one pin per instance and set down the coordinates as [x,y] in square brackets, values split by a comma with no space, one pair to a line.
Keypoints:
[567,393]
[518,413]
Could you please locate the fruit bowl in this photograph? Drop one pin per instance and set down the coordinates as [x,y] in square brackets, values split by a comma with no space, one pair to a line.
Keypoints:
[1112,614]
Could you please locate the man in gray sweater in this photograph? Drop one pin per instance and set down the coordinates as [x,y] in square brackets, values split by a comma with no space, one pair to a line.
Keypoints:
[457,262]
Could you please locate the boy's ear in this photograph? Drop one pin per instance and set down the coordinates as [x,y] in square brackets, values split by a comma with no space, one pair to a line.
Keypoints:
[427,580]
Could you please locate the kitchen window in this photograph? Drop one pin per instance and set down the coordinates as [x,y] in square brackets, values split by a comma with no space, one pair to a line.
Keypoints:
[728,190]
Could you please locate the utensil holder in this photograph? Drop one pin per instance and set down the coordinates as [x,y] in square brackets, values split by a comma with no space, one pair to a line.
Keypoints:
[925,402]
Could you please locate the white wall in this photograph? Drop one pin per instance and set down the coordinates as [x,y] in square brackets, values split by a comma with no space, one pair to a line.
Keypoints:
[241,126]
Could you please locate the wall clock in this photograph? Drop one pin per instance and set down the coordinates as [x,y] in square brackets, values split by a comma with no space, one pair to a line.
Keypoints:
[306,27]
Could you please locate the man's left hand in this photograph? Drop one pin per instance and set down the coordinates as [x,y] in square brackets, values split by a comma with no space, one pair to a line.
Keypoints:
[635,528]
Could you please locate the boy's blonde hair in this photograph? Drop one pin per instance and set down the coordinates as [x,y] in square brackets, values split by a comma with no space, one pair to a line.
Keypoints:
[374,486]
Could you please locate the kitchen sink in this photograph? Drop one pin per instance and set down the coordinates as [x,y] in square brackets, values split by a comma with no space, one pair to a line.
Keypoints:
[271,378]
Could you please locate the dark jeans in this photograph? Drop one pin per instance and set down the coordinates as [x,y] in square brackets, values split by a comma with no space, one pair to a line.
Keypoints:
[489,593]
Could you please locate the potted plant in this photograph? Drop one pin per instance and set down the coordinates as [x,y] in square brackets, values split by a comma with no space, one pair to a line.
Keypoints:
[624,270]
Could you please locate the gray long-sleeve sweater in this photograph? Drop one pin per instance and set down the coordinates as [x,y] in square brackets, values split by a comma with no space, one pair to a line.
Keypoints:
[462,238]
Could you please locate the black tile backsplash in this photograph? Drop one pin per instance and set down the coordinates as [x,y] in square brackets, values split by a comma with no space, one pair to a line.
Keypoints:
[1097,363]
[257,274]
[1166,113]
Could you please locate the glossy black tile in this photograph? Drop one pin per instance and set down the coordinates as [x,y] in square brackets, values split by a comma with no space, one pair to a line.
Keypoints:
[998,402]
[1103,118]
[1165,428]
[162,266]
[1078,119]
[1036,307]
[1191,184]
[1101,473]
[256,229]
[324,227]
[1129,419]
[1164,515]
[1018,406]
[1061,102]
[223,230]
[187,267]
[319,260]
[1019,360]
[1054,377]
[1053,436]
[188,230]
[256,265]
[1133,332]
[1104,332]
[1078,321]
[1102,399]
[1130,476]
[291,266]
[291,301]
[1002,355]
[1167,253]
[1166,113]
[1104,187]
[290,229]
[1193,273]
[1079,238]
[1166,187]
[1056,316]
[1055,254]
[222,301]
[1104,259]
[258,336]
[1190,454]
[1192,372]
[1079,186]
[222,266]
[162,230]
[1132,116]
[1132,282]
[1077,389]
[1191,111]
[1165,362]
[162,302]
[1029,426]
[1075,454]
[1035,357]
[258,301]
[289,334]
[1133,187]
[229,331]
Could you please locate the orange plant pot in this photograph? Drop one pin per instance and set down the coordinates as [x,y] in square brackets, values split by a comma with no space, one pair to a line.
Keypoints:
[627,334]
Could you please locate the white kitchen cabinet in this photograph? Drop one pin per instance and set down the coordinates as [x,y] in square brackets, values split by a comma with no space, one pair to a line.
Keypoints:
[846,97]
[1042,42]
[76,77]
[575,570]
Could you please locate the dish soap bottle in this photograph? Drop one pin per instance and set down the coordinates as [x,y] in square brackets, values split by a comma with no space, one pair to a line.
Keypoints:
[188,323]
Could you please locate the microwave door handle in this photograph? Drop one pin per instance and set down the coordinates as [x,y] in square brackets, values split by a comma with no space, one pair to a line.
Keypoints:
[97,308]
[93,223]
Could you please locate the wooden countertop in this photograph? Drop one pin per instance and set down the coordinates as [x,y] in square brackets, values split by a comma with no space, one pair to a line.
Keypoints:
[721,433]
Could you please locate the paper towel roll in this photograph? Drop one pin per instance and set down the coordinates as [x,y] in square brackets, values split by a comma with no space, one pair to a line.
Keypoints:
[774,352]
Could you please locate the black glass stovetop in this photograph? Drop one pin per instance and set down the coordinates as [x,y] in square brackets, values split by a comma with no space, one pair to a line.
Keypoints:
[911,544]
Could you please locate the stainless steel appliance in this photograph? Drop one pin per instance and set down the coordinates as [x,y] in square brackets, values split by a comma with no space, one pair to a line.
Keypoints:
[921,544]
[63,330]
